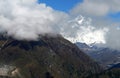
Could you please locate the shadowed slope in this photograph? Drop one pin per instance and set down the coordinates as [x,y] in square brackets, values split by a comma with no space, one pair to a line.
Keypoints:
[50,57]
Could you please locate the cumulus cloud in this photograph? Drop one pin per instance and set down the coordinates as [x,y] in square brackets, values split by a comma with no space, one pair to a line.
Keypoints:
[97,7]
[26,19]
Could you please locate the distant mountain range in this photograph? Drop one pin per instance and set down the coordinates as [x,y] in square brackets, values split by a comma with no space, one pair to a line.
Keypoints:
[105,56]
[115,66]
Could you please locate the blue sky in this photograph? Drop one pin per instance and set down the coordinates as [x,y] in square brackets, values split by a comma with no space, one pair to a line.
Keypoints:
[62,5]
[66,5]
[115,16]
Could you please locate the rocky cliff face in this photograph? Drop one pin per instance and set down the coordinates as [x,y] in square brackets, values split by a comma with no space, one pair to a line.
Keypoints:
[49,57]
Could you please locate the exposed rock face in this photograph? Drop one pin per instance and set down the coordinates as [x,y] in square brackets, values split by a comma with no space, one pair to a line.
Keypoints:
[50,57]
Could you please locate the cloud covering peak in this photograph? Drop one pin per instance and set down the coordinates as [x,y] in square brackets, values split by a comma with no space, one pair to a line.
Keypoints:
[99,11]
[26,19]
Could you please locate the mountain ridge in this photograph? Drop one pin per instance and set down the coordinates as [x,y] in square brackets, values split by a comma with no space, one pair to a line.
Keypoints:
[55,57]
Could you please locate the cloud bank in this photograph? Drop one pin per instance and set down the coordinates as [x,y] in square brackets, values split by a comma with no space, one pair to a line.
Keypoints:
[26,19]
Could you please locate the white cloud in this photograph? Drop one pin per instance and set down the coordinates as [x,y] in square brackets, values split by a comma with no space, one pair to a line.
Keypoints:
[26,19]
[83,31]
[97,7]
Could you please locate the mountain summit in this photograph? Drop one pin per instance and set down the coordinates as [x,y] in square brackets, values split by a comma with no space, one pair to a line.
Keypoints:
[49,57]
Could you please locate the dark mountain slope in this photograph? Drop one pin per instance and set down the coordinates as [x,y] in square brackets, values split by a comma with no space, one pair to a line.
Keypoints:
[50,57]
[110,73]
